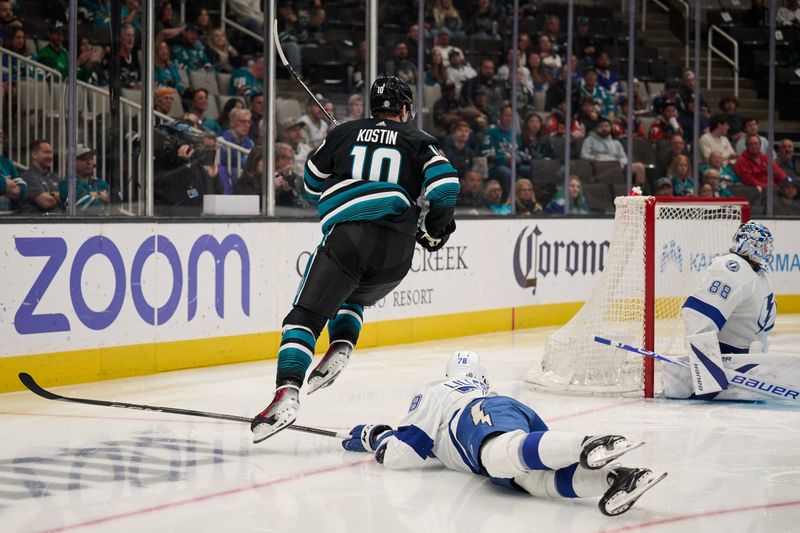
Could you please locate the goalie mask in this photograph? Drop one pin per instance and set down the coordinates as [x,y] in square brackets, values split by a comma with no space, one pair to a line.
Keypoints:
[464,364]
[390,94]
[753,241]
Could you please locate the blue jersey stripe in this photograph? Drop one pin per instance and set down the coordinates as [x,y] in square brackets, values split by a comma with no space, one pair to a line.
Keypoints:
[458,447]
[564,481]
[418,440]
[727,348]
[530,451]
[706,309]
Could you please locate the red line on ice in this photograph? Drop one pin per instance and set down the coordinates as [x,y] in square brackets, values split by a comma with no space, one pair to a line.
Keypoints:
[593,410]
[254,486]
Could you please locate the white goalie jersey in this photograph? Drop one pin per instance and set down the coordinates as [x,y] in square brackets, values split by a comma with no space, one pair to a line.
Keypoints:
[735,302]
[429,427]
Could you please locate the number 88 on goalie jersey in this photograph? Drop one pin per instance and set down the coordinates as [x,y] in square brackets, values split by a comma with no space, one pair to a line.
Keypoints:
[370,168]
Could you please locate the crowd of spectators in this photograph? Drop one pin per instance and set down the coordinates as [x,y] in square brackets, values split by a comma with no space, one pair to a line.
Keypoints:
[468,69]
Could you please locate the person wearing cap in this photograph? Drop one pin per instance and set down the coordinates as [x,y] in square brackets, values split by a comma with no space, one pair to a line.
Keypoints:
[291,133]
[752,165]
[786,201]
[165,71]
[91,193]
[459,69]
[687,93]
[584,44]
[315,124]
[189,51]
[55,55]
[248,80]
[603,103]
[43,193]
[664,187]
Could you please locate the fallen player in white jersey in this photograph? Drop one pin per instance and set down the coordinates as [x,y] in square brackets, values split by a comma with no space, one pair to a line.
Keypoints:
[727,319]
[469,428]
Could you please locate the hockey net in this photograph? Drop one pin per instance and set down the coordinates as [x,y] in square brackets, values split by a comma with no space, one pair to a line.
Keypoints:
[659,249]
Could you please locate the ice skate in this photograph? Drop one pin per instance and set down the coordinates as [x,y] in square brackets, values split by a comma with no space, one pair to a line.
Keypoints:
[278,415]
[599,451]
[332,364]
[628,486]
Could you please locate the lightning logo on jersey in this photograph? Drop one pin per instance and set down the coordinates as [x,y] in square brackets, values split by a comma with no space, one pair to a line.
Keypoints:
[766,318]
[478,416]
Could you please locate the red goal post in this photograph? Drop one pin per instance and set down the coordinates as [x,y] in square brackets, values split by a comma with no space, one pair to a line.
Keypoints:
[659,249]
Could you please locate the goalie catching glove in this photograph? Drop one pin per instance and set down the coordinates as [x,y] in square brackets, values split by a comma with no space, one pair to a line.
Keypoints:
[366,437]
[432,243]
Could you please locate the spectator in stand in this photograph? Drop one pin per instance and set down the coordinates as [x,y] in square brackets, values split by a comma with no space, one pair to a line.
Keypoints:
[577,201]
[412,40]
[680,172]
[552,28]
[442,43]
[285,180]
[641,103]
[504,71]
[584,43]
[484,80]
[12,187]
[788,15]
[525,200]
[493,194]
[256,106]
[587,116]
[221,54]
[291,133]
[447,19]
[716,161]
[401,66]
[92,64]
[43,193]
[471,193]
[550,59]
[130,14]
[524,48]
[756,16]
[196,101]
[786,159]
[497,146]
[460,147]
[525,100]
[607,78]
[291,34]
[540,77]
[603,103]
[459,70]
[719,188]
[163,99]
[130,70]
[664,187]
[446,110]
[668,96]
[483,23]
[435,73]
[787,202]
[204,24]
[165,70]
[315,126]
[686,120]
[555,124]
[7,19]
[14,40]
[224,116]
[667,124]
[620,125]
[166,27]
[752,166]
[246,81]
[314,29]
[687,93]
[535,144]
[706,191]
[92,194]
[355,108]
[248,13]
[716,140]
[231,163]
[677,146]
[729,106]
[751,128]
[189,52]
[601,146]
[479,115]
[55,55]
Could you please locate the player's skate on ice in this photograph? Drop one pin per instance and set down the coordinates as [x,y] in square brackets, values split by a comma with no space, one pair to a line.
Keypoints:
[462,423]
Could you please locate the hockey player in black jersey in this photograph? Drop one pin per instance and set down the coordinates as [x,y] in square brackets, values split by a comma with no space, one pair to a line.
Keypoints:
[365,178]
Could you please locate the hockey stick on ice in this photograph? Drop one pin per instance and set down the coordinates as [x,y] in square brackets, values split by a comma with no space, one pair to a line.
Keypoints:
[737,379]
[294,74]
[37,389]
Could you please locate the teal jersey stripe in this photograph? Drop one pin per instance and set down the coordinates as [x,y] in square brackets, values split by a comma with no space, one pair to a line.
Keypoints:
[444,195]
[340,198]
[313,182]
[438,170]
[367,210]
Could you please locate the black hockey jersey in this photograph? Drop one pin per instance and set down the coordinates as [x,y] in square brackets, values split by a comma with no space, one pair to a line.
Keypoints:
[370,168]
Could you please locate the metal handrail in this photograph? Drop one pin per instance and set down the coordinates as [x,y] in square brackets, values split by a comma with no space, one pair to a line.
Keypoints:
[225,21]
[734,62]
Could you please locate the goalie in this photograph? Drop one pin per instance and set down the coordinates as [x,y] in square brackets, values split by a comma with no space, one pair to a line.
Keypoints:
[468,428]
[727,320]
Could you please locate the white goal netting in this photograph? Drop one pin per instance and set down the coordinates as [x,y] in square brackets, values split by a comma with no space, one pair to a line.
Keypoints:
[688,235]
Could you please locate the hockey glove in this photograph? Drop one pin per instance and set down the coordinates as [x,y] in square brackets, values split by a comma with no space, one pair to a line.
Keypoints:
[431,243]
[366,437]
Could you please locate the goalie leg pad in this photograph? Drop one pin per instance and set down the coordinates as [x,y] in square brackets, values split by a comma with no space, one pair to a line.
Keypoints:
[705,363]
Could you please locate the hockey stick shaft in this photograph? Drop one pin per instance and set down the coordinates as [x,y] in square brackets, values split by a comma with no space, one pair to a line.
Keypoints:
[743,381]
[37,389]
[294,73]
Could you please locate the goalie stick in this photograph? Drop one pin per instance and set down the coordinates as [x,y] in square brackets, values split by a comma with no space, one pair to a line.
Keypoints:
[294,74]
[37,389]
[737,379]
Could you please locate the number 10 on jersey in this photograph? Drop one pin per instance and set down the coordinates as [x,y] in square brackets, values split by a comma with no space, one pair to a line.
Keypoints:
[377,170]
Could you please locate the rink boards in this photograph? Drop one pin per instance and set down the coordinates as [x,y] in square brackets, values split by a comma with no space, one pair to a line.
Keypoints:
[84,302]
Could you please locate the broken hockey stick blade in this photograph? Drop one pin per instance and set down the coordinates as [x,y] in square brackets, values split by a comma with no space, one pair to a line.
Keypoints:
[37,389]
[737,379]
[295,75]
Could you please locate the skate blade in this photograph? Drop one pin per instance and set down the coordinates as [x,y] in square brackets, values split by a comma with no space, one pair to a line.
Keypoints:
[609,455]
[621,502]
[265,430]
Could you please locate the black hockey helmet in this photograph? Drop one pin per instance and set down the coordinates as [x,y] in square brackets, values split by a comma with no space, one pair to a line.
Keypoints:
[390,93]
